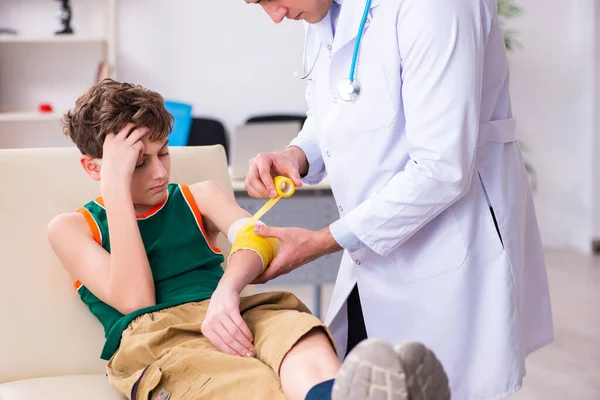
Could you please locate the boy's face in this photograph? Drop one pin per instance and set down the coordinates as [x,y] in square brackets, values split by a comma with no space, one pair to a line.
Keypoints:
[152,173]
[311,11]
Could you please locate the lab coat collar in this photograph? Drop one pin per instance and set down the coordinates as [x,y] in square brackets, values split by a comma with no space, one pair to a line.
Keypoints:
[323,29]
[349,21]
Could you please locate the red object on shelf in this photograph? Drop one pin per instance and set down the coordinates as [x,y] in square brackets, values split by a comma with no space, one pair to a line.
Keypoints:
[45,107]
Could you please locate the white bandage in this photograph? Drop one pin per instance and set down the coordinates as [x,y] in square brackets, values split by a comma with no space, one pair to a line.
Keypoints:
[235,228]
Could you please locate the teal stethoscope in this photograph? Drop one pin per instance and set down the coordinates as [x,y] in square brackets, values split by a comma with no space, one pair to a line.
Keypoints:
[349,89]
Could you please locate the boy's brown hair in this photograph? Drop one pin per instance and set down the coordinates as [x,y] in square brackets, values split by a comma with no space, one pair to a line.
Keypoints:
[107,107]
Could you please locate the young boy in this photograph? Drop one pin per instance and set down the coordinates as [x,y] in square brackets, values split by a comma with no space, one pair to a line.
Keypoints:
[145,262]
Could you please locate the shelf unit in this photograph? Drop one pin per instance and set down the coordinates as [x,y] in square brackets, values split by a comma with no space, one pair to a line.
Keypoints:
[32,52]
[51,39]
[30,116]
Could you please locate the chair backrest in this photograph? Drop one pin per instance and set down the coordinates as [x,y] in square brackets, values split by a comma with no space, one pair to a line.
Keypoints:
[277,118]
[207,132]
[259,137]
[46,330]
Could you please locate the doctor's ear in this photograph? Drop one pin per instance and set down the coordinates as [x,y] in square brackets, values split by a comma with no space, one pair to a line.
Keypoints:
[91,166]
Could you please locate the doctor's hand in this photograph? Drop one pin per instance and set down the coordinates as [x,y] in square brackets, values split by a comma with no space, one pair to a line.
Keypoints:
[298,247]
[265,166]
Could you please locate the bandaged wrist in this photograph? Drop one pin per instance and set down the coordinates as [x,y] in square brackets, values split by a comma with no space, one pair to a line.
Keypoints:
[244,238]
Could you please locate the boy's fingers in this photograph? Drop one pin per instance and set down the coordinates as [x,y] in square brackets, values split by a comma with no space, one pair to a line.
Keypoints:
[219,343]
[239,321]
[123,133]
[136,135]
[230,341]
[237,335]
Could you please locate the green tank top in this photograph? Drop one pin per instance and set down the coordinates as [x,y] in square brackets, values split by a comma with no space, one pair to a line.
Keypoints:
[184,265]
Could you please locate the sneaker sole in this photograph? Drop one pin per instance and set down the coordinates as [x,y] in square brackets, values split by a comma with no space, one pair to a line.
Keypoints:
[426,378]
[372,371]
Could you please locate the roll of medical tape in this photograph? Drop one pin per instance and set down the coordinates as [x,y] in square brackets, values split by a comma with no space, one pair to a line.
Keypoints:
[285,188]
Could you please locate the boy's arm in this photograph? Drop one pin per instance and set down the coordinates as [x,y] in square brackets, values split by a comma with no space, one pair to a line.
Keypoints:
[123,279]
[221,209]
[223,324]
[72,241]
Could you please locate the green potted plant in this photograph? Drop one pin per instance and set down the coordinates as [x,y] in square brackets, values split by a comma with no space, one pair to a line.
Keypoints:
[509,9]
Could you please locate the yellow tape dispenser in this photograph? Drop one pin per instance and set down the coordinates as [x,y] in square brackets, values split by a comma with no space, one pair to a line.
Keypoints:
[285,188]
[246,238]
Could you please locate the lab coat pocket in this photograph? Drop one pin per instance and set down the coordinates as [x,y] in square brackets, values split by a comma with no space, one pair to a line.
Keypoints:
[374,109]
[435,249]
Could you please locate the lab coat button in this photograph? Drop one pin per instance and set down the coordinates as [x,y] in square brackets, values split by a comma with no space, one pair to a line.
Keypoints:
[328,153]
[341,208]
[329,47]
[357,262]
[335,99]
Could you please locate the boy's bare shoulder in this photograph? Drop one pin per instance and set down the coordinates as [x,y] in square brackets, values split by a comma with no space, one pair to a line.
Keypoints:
[67,223]
[206,190]
[210,198]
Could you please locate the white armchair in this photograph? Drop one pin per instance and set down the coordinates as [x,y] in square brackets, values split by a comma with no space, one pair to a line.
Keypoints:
[49,342]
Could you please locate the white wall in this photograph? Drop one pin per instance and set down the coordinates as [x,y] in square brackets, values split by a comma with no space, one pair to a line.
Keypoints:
[596,147]
[56,73]
[226,58]
[553,98]
[32,73]
[230,61]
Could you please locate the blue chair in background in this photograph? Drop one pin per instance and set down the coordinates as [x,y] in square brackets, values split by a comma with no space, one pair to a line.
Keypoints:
[182,114]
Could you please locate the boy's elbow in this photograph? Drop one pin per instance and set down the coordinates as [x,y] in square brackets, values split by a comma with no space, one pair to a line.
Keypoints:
[132,301]
[132,305]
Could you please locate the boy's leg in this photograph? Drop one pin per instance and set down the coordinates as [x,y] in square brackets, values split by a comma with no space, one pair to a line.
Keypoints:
[300,350]
[372,371]
[310,362]
[164,354]
[288,338]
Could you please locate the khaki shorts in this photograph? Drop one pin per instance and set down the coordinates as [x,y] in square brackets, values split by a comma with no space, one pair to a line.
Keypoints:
[164,355]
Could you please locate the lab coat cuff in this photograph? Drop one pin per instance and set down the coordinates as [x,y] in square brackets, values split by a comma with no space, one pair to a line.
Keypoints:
[355,222]
[316,166]
[344,236]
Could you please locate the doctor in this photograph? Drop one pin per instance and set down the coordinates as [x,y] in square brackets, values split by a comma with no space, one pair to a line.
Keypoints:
[409,116]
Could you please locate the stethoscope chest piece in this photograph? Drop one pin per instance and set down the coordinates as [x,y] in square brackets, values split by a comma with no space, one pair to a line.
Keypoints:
[349,90]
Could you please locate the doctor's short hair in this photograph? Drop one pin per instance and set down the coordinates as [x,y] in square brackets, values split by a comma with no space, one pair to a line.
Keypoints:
[107,107]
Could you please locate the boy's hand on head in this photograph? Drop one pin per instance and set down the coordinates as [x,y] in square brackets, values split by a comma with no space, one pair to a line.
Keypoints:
[121,152]
[224,326]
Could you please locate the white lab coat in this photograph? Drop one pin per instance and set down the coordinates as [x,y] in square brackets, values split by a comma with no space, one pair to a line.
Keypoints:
[411,164]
